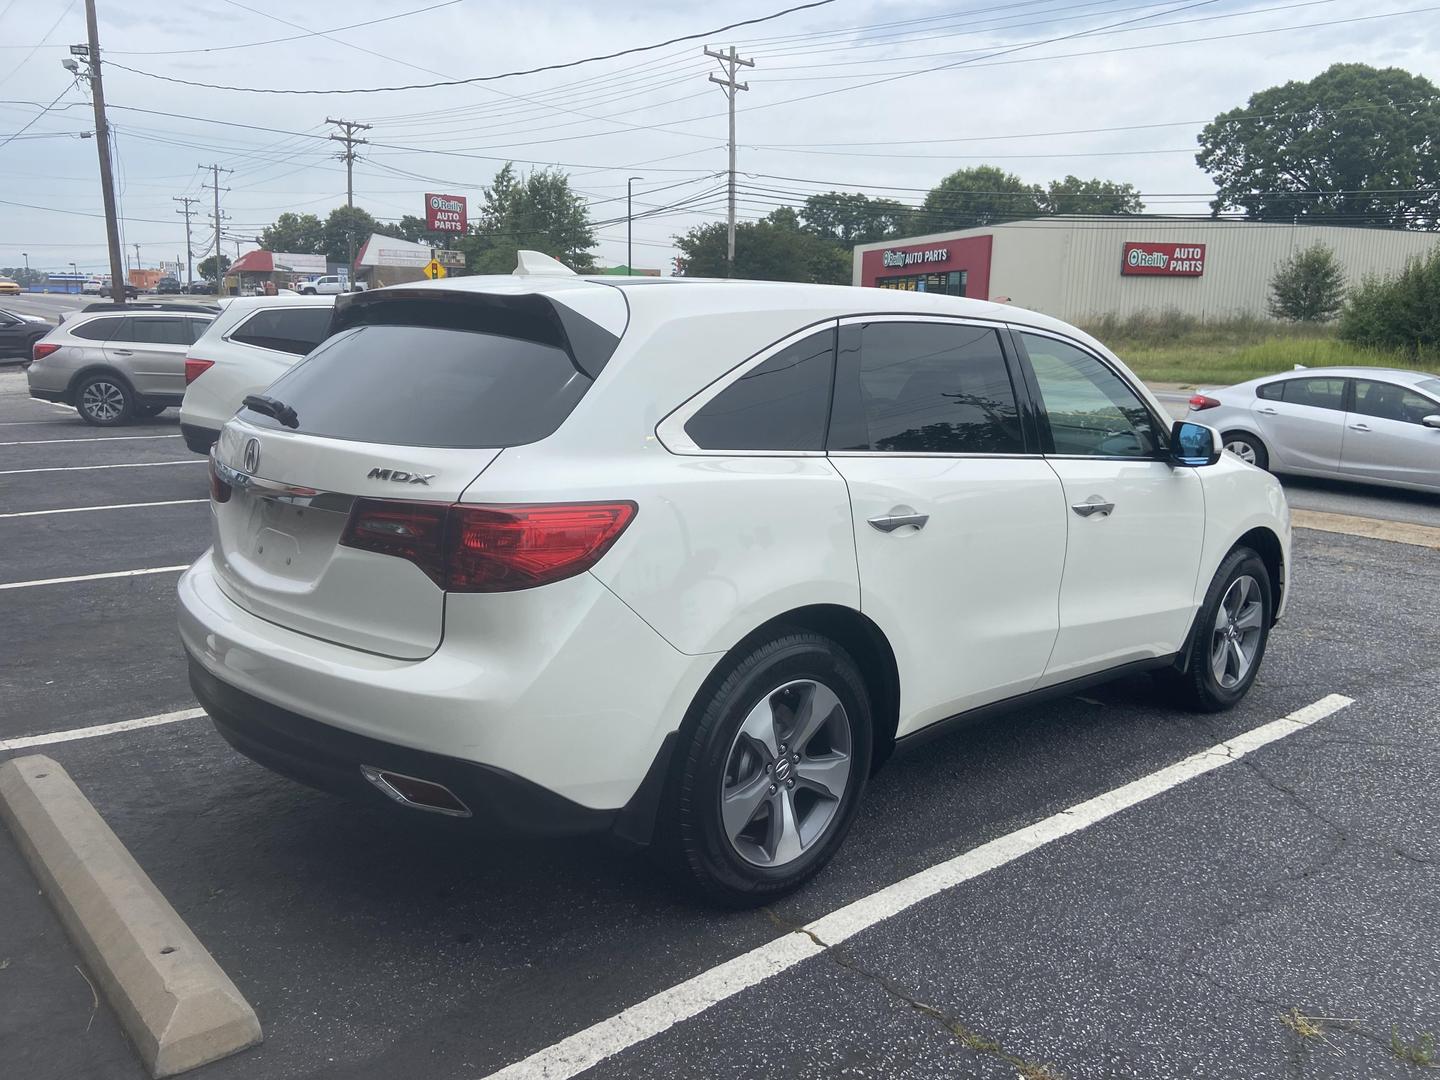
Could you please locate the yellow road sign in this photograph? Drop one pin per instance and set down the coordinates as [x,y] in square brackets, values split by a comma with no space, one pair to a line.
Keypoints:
[434,270]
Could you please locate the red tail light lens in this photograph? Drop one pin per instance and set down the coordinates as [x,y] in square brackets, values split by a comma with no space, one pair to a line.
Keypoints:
[195,368]
[489,548]
[1200,401]
[219,489]
[42,348]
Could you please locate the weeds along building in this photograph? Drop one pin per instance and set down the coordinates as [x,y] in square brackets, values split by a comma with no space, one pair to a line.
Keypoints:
[1081,268]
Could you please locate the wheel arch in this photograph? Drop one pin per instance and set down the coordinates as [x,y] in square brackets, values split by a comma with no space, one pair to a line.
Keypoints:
[1265,542]
[98,368]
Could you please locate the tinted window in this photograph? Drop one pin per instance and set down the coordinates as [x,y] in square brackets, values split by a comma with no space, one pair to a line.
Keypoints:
[149,330]
[925,388]
[782,404]
[1090,409]
[197,329]
[1274,391]
[1319,393]
[1390,402]
[292,330]
[95,329]
[427,386]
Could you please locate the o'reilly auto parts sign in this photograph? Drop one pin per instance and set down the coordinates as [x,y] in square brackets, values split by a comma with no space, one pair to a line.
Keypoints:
[445,213]
[896,257]
[1162,260]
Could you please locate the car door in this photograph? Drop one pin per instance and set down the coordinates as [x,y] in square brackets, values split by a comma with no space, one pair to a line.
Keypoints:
[958,520]
[1136,524]
[1302,421]
[13,340]
[1386,437]
[150,350]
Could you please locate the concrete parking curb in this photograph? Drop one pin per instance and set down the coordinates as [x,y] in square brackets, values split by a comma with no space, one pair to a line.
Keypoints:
[1398,532]
[179,1009]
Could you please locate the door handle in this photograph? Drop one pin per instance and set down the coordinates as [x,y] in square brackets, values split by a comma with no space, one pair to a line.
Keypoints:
[1093,506]
[1359,427]
[1267,412]
[123,352]
[890,522]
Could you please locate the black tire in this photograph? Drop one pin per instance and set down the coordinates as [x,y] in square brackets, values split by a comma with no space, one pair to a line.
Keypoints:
[1198,687]
[694,837]
[1247,447]
[149,409]
[104,400]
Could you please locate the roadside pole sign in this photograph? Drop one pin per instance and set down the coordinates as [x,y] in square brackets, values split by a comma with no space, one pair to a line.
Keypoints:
[449,257]
[445,213]
[434,270]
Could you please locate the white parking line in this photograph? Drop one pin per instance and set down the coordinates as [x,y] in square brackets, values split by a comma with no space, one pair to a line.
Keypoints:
[83,468]
[98,438]
[94,577]
[649,1018]
[49,739]
[112,506]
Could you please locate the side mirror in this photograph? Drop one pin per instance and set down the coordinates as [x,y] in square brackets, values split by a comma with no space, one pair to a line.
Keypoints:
[1193,445]
[1433,420]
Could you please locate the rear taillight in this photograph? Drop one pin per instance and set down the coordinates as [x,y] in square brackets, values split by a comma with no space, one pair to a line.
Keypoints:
[490,548]
[43,348]
[195,368]
[1201,401]
[219,489]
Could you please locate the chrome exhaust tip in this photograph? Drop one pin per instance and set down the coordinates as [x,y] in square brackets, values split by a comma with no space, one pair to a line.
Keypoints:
[418,794]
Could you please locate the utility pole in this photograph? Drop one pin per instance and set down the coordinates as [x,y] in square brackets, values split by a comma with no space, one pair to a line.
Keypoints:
[138,266]
[214,185]
[90,53]
[350,127]
[730,63]
[629,222]
[185,202]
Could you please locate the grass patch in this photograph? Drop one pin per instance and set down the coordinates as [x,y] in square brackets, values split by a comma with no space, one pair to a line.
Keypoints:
[1420,1052]
[1177,348]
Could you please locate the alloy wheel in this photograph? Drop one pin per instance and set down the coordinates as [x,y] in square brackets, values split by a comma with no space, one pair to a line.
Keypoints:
[1242,449]
[786,773]
[103,400]
[1235,638]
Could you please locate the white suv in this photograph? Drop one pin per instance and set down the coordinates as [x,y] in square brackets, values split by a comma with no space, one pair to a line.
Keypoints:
[251,344]
[682,561]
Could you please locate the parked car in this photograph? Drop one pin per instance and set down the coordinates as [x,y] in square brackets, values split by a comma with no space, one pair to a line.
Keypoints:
[330,285]
[1377,425]
[8,287]
[168,286]
[202,288]
[19,332]
[243,351]
[93,287]
[683,561]
[117,362]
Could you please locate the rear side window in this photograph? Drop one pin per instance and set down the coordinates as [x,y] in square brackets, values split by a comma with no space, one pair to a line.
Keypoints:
[147,330]
[430,386]
[782,404]
[1274,391]
[924,388]
[198,328]
[1318,393]
[291,330]
[95,329]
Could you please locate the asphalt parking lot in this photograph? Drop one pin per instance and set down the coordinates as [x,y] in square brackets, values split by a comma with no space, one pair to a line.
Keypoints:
[1275,916]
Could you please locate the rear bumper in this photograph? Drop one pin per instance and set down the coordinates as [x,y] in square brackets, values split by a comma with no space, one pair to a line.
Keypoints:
[199,439]
[57,396]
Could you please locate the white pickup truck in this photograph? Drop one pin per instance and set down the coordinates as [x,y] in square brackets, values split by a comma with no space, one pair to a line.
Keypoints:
[330,285]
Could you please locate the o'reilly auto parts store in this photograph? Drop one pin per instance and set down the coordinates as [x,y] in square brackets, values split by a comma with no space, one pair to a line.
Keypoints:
[1080,268]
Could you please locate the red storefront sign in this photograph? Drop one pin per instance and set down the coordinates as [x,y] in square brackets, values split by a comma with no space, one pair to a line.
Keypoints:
[445,213]
[970,254]
[1163,260]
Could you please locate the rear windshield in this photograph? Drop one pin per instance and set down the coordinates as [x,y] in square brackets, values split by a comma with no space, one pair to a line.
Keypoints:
[428,386]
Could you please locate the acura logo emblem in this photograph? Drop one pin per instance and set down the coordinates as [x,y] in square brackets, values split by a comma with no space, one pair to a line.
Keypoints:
[252,456]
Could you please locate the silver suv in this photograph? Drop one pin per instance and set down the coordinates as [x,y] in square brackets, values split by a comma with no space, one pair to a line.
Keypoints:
[114,363]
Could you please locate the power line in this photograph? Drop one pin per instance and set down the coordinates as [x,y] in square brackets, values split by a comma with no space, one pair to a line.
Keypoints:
[503,75]
[37,116]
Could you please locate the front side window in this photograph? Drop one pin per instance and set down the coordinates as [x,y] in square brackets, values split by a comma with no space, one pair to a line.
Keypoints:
[292,330]
[924,388]
[1091,410]
[781,404]
[1318,393]
[1386,401]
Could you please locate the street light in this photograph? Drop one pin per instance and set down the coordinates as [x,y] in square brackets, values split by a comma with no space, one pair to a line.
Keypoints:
[629,242]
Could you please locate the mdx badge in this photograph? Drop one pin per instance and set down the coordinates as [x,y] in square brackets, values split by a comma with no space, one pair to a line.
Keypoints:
[252,456]
[396,476]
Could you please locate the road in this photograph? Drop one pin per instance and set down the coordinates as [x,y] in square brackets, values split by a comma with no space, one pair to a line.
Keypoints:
[1192,934]
[48,305]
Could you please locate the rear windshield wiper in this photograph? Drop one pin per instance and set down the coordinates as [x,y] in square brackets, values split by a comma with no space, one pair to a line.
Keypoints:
[273,407]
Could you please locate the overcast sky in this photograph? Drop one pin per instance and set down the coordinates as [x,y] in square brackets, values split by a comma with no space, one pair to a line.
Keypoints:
[889,96]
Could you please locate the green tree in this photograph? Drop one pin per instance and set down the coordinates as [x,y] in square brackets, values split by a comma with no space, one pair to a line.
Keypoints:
[412,228]
[297,234]
[1075,196]
[775,248]
[983,195]
[206,266]
[1398,312]
[1309,286]
[851,218]
[536,212]
[1356,134]
[346,230]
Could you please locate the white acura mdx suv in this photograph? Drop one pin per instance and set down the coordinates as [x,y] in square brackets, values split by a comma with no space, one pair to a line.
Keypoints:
[683,561]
